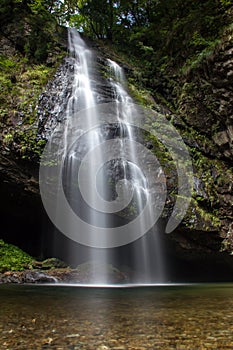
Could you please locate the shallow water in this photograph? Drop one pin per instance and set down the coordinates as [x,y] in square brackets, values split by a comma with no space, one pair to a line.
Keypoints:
[162,317]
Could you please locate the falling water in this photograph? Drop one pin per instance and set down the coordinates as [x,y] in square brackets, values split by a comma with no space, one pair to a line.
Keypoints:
[119,84]
[84,98]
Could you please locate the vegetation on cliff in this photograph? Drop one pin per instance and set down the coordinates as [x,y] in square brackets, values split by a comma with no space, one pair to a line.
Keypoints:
[178,55]
[12,258]
[162,40]
[32,46]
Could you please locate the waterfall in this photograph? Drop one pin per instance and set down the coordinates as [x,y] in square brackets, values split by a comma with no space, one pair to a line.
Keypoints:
[119,84]
[83,98]
[103,197]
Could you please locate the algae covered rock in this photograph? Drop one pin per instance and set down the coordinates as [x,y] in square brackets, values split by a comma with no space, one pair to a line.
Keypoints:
[13,258]
[50,263]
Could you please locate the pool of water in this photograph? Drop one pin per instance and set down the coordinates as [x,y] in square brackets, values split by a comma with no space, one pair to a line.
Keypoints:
[159,317]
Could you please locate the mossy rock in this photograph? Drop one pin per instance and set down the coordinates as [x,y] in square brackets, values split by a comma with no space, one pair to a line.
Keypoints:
[49,264]
[199,219]
[13,258]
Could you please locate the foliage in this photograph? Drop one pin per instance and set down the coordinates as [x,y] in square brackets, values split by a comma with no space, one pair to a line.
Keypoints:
[8,68]
[36,30]
[152,29]
[13,258]
[157,32]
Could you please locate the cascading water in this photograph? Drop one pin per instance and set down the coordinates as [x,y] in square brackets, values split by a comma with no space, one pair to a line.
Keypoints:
[83,97]
[119,84]
[112,189]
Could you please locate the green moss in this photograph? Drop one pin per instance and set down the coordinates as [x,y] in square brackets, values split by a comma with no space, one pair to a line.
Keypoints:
[200,219]
[8,139]
[196,60]
[141,96]
[21,84]
[28,89]
[13,258]
[49,264]
[29,146]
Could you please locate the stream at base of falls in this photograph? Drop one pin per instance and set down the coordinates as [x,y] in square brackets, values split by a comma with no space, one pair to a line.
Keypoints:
[159,317]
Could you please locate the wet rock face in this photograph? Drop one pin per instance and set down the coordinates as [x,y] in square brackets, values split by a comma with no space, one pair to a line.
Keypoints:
[205,104]
[53,101]
[206,100]
[222,80]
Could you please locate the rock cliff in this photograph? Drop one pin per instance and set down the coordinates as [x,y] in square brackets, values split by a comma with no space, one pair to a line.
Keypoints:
[201,112]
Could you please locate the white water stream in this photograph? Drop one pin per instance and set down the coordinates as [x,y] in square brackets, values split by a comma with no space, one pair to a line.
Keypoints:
[97,204]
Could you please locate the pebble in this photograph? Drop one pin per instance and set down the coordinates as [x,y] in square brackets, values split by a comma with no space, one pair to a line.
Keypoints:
[67,321]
